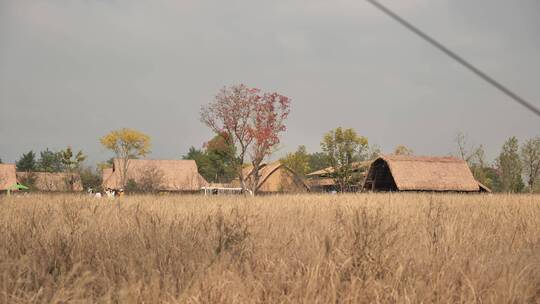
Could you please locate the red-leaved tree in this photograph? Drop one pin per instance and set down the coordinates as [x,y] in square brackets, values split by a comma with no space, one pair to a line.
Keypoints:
[251,121]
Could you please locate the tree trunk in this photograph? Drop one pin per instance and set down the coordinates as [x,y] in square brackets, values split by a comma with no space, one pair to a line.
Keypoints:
[255,181]
[124,175]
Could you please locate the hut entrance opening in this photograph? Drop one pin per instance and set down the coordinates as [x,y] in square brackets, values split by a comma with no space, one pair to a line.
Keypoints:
[380,178]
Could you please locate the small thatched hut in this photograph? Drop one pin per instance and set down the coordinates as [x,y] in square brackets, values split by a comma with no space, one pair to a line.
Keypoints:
[8,176]
[276,178]
[51,182]
[159,175]
[421,173]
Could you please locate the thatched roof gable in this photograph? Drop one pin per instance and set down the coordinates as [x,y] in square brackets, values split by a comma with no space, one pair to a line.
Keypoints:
[56,182]
[171,175]
[7,176]
[202,181]
[483,188]
[421,173]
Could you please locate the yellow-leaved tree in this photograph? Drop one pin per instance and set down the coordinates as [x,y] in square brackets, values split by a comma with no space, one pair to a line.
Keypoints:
[126,144]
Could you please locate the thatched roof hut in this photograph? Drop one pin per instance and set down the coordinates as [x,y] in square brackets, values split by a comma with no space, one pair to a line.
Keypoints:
[276,178]
[420,173]
[53,182]
[162,175]
[8,176]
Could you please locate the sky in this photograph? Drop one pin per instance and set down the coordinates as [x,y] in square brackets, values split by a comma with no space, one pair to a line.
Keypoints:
[71,71]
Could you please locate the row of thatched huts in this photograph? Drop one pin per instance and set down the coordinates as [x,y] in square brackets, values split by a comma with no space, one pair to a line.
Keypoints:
[386,173]
[41,181]
[183,176]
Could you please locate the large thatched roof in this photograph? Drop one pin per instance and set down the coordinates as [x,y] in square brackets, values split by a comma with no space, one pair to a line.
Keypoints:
[169,175]
[420,173]
[57,182]
[7,176]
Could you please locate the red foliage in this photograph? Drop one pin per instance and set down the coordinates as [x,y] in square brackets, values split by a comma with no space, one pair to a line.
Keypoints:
[270,113]
[248,119]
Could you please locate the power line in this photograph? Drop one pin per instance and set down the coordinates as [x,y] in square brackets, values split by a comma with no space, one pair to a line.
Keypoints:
[456,57]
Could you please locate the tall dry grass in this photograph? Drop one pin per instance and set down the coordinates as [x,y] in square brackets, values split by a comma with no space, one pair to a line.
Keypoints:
[368,248]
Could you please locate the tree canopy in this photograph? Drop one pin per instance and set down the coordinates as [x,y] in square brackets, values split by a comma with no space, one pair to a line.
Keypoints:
[126,144]
[50,161]
[343,147]
[298,161]
[215,161]
[251,121]
[27,162]
[71,160]
[509,166]
[530,157]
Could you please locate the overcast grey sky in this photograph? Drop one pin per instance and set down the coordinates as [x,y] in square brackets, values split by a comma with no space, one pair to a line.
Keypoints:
[71,71]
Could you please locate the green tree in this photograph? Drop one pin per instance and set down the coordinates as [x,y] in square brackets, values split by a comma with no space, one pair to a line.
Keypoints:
[70,160]
[530,157]
[221,156]
[318,161]
[492,178]
[299,161]
[27,162]
[194,154]
[202,161]
[509,165]
[343,147]
[126,144]
[216,161]
[1,161]
[50,161]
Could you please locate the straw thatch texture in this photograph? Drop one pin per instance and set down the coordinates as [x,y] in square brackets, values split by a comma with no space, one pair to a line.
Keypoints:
[420,173]
[276,178]
[55,182]
[169,175]
[7,176]
[106,174]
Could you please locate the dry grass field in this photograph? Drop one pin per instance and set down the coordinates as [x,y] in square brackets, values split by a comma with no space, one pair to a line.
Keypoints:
[368,248]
